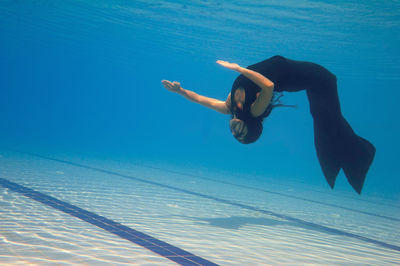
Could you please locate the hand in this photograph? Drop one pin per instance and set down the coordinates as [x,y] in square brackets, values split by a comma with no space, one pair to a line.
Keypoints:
[226,64]
[171,86]
[238,128]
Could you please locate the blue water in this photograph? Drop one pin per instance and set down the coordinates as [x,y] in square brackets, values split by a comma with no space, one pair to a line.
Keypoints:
[83,78]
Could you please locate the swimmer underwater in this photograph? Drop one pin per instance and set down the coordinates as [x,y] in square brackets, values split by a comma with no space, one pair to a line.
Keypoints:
[255,92]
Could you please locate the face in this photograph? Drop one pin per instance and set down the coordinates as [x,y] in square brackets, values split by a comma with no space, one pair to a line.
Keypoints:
[240,97]
[238,128]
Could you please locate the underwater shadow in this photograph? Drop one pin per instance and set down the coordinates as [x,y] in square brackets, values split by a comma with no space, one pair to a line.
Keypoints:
[236,222]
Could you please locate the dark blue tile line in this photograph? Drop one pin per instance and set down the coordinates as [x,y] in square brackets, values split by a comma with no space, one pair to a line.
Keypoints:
[247,207]
[282,216]
[162,248]
[279,194]
[257,189]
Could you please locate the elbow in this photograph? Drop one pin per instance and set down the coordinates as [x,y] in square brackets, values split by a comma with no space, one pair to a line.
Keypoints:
[268,87]
[271,86]
[227,108]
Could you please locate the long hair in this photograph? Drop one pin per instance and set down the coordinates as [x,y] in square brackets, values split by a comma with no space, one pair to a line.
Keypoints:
[254,124]
[254,130]
[275,102]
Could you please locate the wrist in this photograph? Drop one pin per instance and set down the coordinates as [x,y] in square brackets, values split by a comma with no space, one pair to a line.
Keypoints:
[181,91]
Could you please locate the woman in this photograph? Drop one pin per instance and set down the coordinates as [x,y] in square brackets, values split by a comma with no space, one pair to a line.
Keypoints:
[255,93]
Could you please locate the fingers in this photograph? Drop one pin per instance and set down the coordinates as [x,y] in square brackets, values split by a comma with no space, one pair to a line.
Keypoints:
[164,82]
[222,63]
[227,64]
[172,86]
[240,128]
[167,84]
[237,127]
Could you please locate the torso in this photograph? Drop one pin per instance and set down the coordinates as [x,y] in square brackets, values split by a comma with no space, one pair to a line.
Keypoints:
[274,68]
[287,75]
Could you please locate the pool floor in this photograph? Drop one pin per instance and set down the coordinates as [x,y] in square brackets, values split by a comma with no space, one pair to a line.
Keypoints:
[74,210]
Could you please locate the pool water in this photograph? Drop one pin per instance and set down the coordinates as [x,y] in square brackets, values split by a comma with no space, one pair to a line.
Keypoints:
[99,164]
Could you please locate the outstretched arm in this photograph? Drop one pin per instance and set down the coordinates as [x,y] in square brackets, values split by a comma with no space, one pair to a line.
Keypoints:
[217,105]
[263,99]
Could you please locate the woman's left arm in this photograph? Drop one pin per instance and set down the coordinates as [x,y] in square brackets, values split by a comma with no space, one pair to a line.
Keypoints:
[263,99]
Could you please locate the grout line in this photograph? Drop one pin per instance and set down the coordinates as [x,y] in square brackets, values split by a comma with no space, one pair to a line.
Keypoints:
[237,204]
[155,245]
[256,189]
[281,194]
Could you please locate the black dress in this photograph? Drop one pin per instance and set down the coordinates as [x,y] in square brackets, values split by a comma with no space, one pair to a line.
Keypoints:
[337,146]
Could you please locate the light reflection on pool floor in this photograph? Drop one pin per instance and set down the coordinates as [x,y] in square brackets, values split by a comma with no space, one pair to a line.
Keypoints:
[224,234]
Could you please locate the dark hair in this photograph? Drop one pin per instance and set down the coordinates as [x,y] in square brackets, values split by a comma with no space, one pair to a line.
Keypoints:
[254,125]
[275,102]
[254,130]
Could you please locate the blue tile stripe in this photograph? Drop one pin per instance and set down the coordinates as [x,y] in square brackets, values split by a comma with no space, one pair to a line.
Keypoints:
[162,248]
[323,228]
[254,188]
[282,194]
[288,218]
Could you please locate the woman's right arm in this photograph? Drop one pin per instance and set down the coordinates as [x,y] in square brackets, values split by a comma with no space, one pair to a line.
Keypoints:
[263,99]
[217,105]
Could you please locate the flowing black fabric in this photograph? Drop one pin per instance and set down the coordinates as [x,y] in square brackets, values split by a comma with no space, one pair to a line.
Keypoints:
[337,146]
